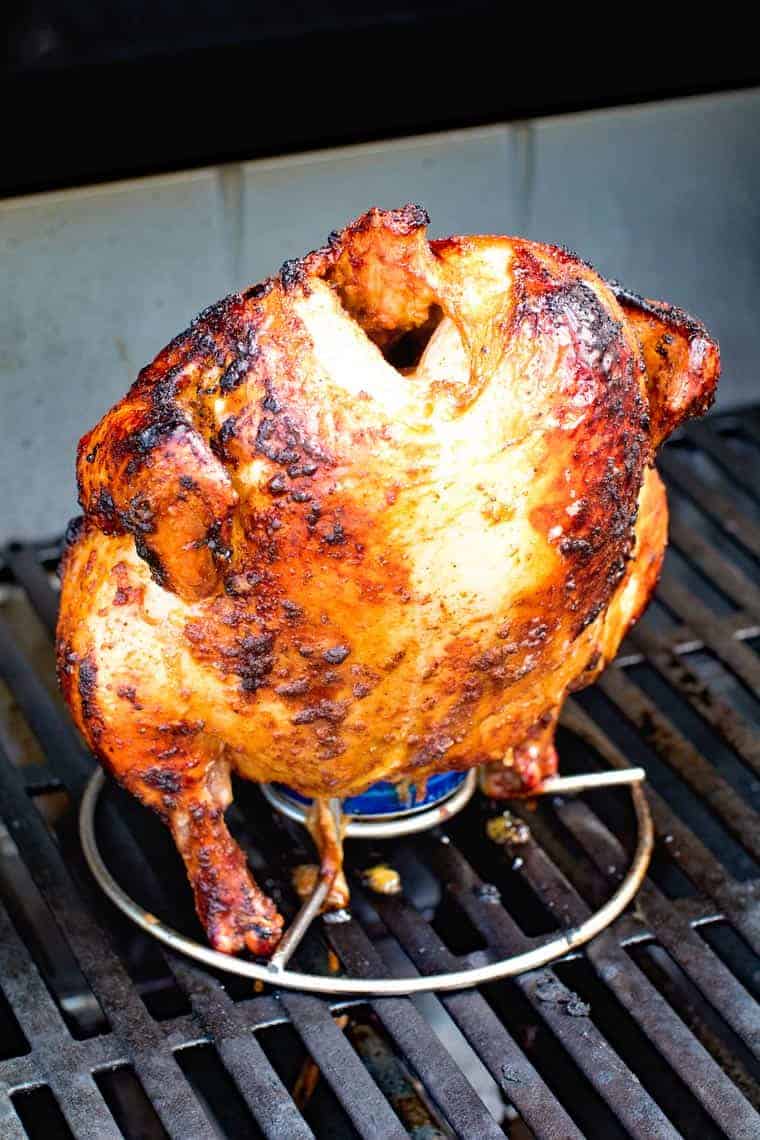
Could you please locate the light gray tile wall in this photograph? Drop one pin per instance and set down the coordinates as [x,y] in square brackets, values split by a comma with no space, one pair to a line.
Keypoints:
[94,282]
[666,198]
[469,181]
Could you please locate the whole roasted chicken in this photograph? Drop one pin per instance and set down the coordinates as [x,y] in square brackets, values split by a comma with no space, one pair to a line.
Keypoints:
[372,518]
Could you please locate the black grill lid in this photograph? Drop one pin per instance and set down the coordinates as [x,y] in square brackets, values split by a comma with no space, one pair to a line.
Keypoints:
[186,83]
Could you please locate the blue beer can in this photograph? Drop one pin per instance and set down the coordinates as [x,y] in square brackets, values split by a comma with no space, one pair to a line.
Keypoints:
[388,800]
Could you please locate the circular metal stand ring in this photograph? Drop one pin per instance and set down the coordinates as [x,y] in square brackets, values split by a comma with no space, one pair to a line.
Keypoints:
[532,959]
[385,828]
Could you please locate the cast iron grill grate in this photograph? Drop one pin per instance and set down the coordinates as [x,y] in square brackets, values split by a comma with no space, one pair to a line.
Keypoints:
[654,1030]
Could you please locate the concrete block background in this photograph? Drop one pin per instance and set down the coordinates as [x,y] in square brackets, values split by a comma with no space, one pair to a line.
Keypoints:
[666,199]
[469,181]
[94,282]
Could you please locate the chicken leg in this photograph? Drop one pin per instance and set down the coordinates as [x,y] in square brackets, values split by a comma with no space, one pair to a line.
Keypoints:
[525,766]
[325,824]
[232,908]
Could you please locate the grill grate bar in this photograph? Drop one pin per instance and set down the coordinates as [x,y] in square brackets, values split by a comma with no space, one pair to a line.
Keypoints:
[698,911]
[228,1025]
[663,1027]
[583,1042]
[735,584]
[261,1012]
[40,778]
[35,1010]
[509,1067]
[719,506]
[708,704]
[736,901]
[56,1059]
[441,1076]
[682,640]
[592,879]
[740,626]
[82,1105]
[21,1073]
[54,733]
[685,1055]
[678,1046]
[692,954]
[741,660]
[162,1079]
[657,731]
[29,571]
[339,1064]
[596,1059]
[11,1127]
[741,469]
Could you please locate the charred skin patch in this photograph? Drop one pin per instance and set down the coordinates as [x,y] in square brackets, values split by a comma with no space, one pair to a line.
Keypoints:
[214,540]
[220,444]
[128,693]
[297,688]
[138,518]
[246,354]
[66,661]
[589,511]
[87,685]
[102,508]
[431,752]
[166,781]
[255,661]
[283,440]
[292,274]
[233,642]
[74,531]
[149,468]
[155,565]
[127,592]
[331,711]
[336,654]
[682,361]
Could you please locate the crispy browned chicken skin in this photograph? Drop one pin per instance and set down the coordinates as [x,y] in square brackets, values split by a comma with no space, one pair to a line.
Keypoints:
[372,518]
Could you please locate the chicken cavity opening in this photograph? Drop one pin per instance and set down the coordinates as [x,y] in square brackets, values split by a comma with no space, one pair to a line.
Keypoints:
[387,282]
[405,350]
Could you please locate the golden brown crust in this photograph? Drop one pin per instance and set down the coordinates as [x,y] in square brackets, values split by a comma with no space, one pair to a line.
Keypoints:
[682,360]
[372,518]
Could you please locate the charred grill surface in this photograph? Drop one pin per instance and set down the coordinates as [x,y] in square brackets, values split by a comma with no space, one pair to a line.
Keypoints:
[652,1031]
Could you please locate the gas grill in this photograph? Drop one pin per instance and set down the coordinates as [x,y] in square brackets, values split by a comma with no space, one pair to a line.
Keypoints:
[653,1030]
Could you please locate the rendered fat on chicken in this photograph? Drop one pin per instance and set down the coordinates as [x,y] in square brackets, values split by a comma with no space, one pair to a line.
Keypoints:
[371,519]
